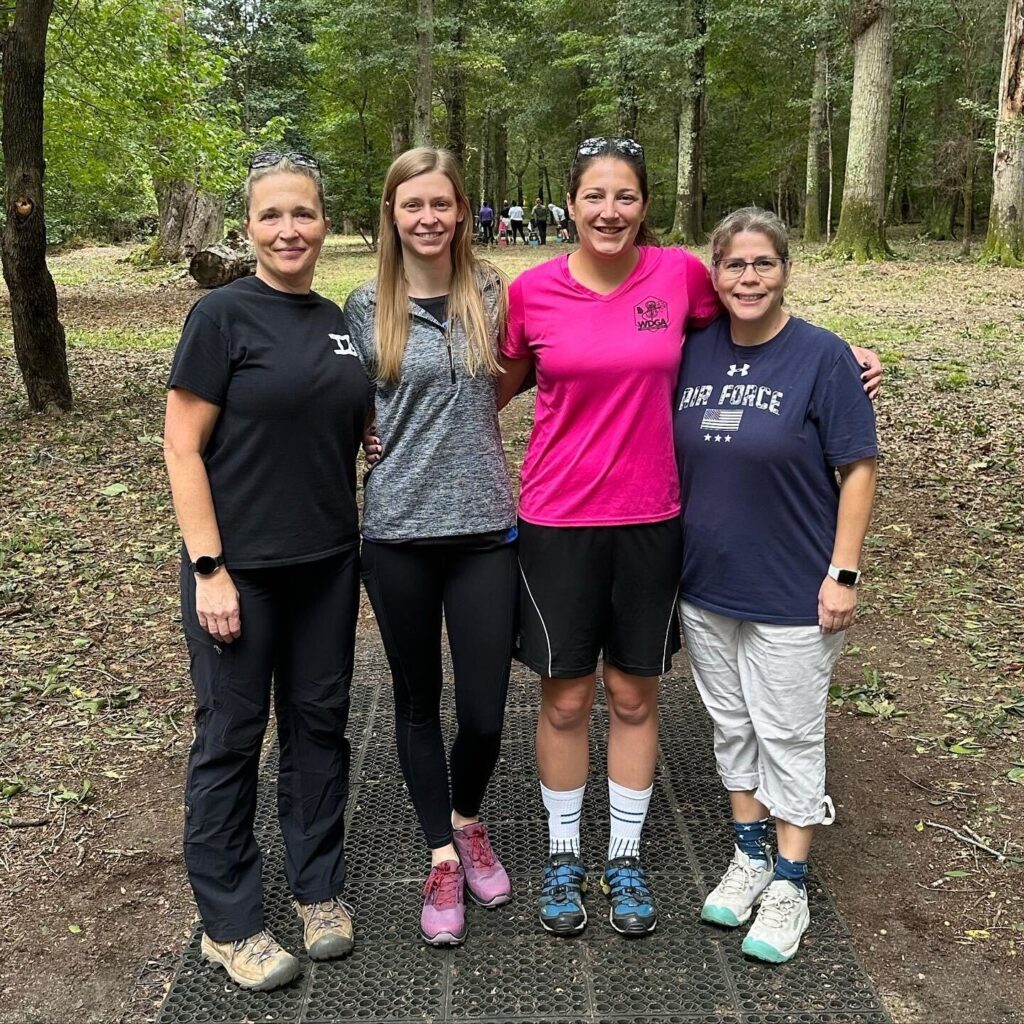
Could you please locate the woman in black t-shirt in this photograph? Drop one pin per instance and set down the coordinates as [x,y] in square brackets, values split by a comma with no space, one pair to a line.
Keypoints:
[265,411]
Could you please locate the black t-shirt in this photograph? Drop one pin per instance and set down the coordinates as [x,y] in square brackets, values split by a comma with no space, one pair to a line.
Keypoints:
[294,399]
[437,307]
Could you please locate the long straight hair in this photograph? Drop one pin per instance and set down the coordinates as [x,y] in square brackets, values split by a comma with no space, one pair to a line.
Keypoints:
[470,275]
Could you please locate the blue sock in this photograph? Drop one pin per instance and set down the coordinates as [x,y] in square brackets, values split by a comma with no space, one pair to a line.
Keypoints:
[790,870]
[752,838]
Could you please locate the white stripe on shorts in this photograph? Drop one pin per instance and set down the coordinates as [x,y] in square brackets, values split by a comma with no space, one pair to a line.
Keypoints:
[547,638]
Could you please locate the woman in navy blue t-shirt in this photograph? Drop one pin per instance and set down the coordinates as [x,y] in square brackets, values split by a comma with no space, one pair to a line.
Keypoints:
[266,407]
[775,440]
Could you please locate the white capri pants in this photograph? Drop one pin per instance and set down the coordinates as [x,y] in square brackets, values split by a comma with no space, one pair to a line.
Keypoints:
[766,690]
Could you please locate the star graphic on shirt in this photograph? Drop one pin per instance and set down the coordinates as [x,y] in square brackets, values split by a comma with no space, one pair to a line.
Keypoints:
[707,437]
[727,438]
[718,437]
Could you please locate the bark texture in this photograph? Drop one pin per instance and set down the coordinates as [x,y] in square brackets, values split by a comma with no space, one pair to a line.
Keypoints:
[812,193]
[39,342]
[688,216]
[188,220]
[1005,240]
[224,262]
[861,233]
[422,127]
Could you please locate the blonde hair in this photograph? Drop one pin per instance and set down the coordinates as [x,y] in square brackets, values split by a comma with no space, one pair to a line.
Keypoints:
[470,275]
[284,166]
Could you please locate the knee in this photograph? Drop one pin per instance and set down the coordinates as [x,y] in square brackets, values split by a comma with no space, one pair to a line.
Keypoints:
[568,710]
[632,707]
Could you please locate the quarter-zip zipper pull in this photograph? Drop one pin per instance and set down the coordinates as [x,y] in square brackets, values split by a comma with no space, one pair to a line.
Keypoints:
[448,345]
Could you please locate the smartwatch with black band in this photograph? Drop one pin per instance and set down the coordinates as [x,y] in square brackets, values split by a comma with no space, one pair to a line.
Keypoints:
[844,577]
[207,565]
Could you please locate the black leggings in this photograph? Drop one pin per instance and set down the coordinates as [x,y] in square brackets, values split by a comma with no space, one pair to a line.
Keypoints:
[410,587]
[517,229]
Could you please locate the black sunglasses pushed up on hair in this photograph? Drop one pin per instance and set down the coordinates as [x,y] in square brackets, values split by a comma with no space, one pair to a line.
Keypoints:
[270,157]
[609,144]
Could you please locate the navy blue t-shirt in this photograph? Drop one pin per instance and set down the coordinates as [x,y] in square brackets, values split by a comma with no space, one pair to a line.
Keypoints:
[293,400]
[758,430]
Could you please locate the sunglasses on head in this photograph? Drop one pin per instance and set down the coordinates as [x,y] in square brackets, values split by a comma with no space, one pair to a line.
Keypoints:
[271,157]
[609,144]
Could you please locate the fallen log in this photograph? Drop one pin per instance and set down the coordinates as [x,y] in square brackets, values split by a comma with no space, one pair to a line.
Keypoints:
[221,263]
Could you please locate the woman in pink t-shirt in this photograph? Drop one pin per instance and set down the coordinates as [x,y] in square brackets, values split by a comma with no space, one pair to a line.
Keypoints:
[599,536]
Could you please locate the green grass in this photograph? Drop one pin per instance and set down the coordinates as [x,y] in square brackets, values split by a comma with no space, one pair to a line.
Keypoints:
[116,338]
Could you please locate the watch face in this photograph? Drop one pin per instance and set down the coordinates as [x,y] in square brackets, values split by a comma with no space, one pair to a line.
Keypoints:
[847,577]
[205,564]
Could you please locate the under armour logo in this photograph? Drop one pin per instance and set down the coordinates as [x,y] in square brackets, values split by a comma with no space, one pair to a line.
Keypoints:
[344,343]
[741,370]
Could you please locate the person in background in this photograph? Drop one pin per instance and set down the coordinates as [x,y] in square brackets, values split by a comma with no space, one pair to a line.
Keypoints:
[439,526]
[266,408]
[558,219]
[776,446]
[515,217]
[487,223]
[599,535]
[539,216]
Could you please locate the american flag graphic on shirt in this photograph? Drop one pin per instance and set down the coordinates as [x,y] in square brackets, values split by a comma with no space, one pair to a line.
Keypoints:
[721,419]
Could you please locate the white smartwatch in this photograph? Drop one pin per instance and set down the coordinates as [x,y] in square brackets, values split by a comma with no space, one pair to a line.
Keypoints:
[844,577]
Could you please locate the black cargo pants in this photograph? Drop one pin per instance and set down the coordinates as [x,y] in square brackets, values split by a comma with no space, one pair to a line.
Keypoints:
[298,630]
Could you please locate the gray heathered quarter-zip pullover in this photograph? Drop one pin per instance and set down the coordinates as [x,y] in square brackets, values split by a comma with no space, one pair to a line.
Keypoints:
[443,471]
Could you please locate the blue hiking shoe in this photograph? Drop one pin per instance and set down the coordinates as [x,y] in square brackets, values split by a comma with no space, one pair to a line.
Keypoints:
[561,909]
[632,911]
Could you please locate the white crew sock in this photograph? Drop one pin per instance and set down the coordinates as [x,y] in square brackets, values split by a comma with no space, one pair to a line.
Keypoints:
[565,808]
[627,810]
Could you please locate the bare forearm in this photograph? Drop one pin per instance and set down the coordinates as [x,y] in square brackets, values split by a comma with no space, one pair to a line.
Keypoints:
[856,499]
[193,503]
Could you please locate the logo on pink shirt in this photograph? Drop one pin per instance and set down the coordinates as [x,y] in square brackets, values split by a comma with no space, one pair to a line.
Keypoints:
[651,314]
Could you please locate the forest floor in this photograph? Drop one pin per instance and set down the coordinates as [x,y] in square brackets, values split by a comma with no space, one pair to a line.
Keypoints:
[926,859]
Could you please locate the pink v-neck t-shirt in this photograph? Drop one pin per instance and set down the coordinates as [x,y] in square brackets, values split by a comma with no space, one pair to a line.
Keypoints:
[601,451]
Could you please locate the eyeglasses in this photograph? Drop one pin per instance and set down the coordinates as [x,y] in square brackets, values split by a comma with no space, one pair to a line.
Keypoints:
[609,144]
[764,266]
[272,157]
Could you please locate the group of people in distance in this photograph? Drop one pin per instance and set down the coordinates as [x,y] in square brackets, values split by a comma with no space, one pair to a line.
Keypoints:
[726,483]
[512,225]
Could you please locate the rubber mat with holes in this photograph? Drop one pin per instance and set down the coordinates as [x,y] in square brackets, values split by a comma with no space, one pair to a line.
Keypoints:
[509,969]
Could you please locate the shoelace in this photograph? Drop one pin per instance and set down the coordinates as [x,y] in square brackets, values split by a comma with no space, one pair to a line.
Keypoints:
[481,853]
[443,886]
[738,877]
[258,947]
[629,884]
[776,906]
[322,913]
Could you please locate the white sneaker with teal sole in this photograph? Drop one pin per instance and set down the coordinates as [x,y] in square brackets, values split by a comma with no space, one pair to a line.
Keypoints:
[781,920]
[731,901]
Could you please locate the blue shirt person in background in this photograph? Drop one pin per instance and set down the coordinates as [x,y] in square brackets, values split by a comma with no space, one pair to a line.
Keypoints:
[775,440]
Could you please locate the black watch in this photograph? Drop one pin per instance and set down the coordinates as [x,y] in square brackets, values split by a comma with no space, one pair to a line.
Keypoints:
[206,565]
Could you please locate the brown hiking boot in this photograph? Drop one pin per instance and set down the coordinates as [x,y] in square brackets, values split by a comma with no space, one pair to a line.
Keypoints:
[257,962]
[327,928]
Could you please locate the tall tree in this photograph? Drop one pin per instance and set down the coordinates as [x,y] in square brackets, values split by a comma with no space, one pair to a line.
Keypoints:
[812,192]
[1005,241]
[861,233]
[422,128]
[39,342]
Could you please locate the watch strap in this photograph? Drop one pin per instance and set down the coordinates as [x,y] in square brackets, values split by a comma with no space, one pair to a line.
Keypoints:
[207,565]
[844,577]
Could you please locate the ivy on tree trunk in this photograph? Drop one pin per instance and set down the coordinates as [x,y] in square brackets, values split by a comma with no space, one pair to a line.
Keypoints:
[39,342]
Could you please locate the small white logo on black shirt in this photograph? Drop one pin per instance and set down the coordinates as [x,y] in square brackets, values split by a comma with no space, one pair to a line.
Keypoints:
[344,343]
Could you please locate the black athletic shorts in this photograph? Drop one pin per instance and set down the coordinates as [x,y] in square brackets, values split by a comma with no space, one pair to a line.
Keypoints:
[598,590]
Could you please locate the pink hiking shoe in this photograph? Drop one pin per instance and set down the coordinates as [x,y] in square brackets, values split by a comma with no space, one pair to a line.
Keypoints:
[443,918]
[486,880]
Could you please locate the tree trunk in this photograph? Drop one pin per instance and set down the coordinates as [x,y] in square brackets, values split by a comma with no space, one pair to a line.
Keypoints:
[39,342]
[399,137]
[188,220]
[892,205]
[221,264]
[968,194]
[688,217]
[500,161]
[422,131]
[812,194]
[1005,241]
[457,95]
[861,234]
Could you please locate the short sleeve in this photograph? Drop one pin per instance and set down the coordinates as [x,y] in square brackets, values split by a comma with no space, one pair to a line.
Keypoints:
[843,413]
[202,360]
[515,344]
[704,304]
